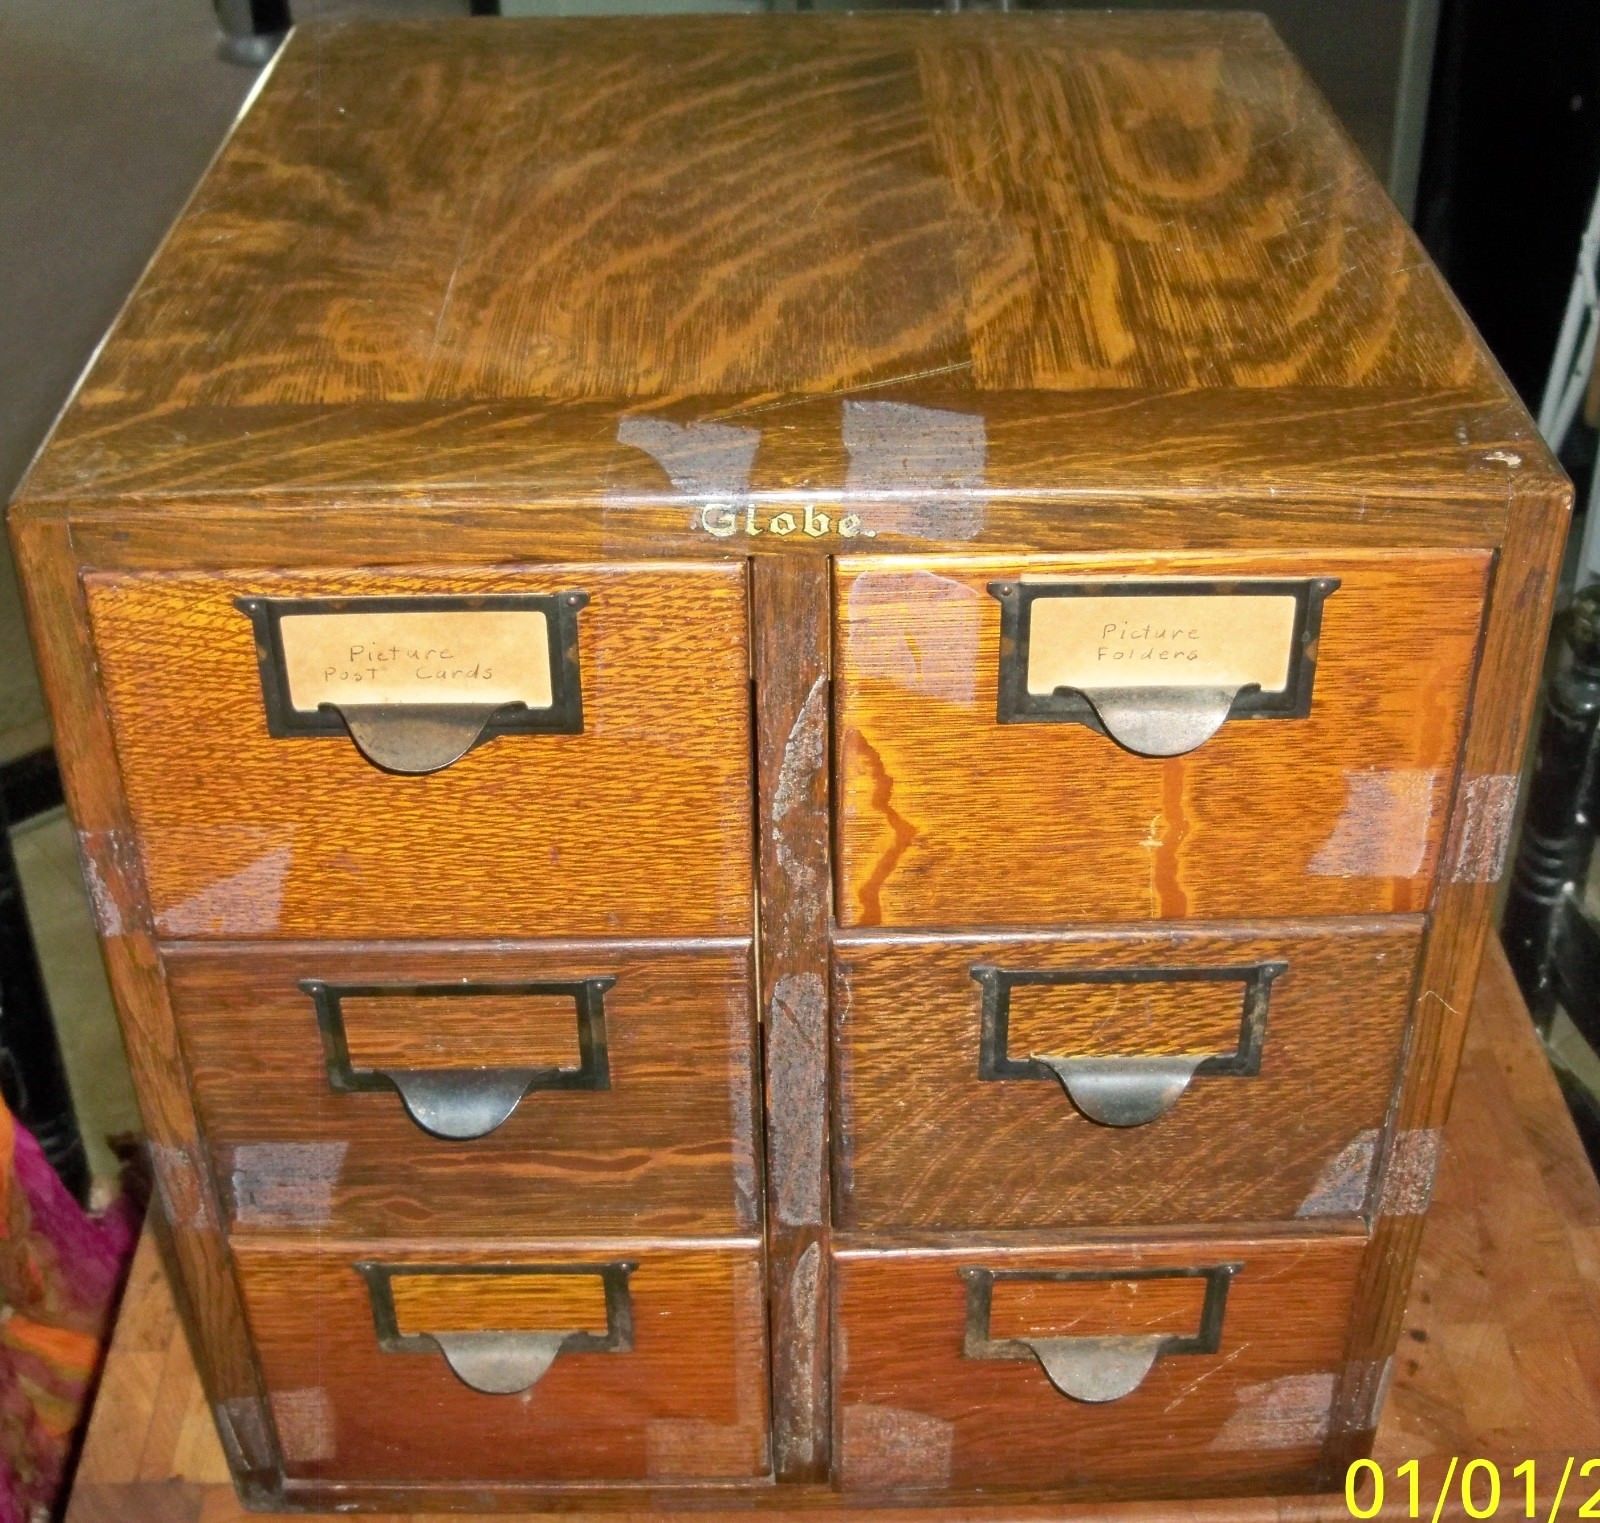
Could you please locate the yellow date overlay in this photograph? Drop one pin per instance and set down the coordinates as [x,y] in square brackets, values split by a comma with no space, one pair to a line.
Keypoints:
[1547,1490]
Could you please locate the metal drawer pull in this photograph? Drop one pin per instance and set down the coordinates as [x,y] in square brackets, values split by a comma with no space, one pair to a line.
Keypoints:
[1157,665]
[463,1103]
[493,1362]
[417,682]
[1121,1091]
[1094,1369]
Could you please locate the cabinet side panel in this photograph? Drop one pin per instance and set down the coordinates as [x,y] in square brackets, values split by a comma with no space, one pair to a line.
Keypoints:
[87,754]
[1506,684]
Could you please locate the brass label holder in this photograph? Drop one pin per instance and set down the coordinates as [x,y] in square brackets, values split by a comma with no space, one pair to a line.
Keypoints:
[1101,1368]
[1122,1091]
[1157,665]
[490,1361]
[417,682]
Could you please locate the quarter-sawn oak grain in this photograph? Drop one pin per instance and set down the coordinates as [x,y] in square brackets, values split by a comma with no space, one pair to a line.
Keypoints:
[946,818]
[668,1148]
[923,1142]
[638,826]
[466,306]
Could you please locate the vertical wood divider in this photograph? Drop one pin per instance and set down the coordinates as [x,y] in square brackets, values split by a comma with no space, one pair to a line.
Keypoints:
[791,636]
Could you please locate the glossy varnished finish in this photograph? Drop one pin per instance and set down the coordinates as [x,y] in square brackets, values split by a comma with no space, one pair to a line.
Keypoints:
[686,1402]
[565,304]
[924,1141]
[915,1413]
[668,1147]
[946,818]
[638,825]
[1491,1363]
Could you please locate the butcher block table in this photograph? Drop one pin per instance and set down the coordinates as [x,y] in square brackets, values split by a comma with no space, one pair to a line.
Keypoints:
[1500,1359]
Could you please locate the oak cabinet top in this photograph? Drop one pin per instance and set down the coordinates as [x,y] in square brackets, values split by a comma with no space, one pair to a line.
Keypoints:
[456,255]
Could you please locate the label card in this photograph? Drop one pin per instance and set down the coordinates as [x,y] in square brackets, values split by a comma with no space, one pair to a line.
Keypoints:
[1178,640]
[426,656]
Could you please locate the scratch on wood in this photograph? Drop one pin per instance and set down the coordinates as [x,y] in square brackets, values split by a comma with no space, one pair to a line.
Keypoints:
[802,752]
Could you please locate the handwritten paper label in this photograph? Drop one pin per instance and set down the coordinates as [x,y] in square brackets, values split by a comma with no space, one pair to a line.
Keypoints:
[429,656]
[1194,640]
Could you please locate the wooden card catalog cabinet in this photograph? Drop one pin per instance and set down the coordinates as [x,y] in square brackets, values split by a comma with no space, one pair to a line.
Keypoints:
[791,817]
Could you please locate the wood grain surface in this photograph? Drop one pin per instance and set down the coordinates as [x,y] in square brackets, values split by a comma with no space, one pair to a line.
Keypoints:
[1493,756]
[921,1141]
[946,817]
[1502,1328]
[915,1414]
[486,306]
[498,1303]
[791,608]
[184,1187]
[638,826]
[669,226]
[1150,226]
[670,1148]
[688,1401]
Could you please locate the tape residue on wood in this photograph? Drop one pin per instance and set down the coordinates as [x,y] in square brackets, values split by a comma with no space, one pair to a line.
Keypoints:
[916,629]
[1383,829]
[305,1423]
[1342,1186]
[709,462]
[932,461]
[886,1447]
[797,1059]
[246,902]
[287,1184]
[180,1187]
[1484,815]
[1408,1179]
[1292,1412]
[794,1435]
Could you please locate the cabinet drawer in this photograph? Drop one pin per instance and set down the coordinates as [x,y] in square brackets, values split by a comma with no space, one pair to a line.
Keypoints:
[522,1364]
[1128,1078]
[613,801]
[549,1090]
[966,797]
[1155,1370]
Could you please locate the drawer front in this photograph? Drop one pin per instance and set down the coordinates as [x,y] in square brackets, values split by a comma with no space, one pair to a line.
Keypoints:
[621,807]
[532,1365]
[967,798]
[1116,1079]
[535,1090]
[1156,1370]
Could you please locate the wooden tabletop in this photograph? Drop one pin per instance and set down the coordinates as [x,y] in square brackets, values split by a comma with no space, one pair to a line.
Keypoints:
[1500,1358]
